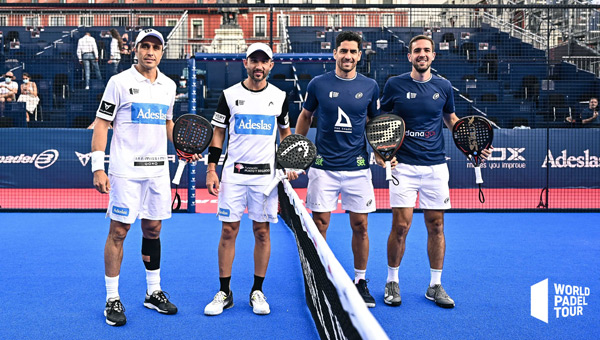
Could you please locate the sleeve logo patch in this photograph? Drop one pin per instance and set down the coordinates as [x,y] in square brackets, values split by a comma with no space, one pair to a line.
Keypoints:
[219,117]
[107,108]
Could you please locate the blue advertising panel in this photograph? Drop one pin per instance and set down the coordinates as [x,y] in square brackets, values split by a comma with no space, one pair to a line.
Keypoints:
[60,158]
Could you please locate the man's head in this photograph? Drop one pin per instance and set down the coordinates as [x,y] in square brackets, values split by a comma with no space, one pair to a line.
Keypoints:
[593,103]
[421,53]
[149,48]
[9,76]
[347,51]
[259,61]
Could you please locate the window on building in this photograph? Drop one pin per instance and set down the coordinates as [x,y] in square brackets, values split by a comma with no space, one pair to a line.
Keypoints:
[56,21]
[119,21]
[260,26]
[146,21]
[360,20]
[171,22]
[3,21]
[387,20]
[31,21]
[334,20]
[388,2]
[197,28]
[86,20]
[307,20]
[283,21]
[361,2]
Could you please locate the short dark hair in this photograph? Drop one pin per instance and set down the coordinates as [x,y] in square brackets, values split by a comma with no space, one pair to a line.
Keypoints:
[348,36]
[421,37]
[25,74]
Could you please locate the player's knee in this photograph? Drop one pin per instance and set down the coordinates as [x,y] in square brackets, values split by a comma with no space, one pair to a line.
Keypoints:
[360,229]
[151,229]
[435,227]
[262,235]
[228,232]
[118,235]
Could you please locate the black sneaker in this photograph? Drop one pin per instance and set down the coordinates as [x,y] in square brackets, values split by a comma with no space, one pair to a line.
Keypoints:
[115,313]
[159,302]
[364,292]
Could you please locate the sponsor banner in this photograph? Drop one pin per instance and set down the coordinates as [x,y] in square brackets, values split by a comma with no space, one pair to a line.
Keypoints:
[60,158]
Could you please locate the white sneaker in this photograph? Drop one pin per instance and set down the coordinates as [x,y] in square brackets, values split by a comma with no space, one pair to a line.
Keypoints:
[259,304]
[220,301]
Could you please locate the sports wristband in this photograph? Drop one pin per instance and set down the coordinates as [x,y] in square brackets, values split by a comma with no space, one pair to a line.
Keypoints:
[97,161]
[214,154]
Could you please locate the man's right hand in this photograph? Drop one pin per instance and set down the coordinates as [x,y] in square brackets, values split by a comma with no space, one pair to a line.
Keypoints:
[101,182]
[212,183]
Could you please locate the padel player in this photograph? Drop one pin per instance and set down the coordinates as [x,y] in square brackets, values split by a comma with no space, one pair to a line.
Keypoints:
[424,101]
[253,110]
[344,99]
[139,103]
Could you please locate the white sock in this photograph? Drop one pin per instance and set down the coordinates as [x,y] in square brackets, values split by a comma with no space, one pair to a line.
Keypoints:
[359,275]
[436,277]
[112,287]
[153,280]
[392,274]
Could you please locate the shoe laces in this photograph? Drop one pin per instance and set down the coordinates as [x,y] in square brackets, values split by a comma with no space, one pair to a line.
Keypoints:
[220,297]
[259,297]
[160,296]
[363,286]
[440,292]
[116,305]
[394,288]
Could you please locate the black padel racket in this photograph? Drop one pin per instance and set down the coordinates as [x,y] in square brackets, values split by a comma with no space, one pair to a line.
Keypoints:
[473,134]
[295,153]
[191,135]
[385,133]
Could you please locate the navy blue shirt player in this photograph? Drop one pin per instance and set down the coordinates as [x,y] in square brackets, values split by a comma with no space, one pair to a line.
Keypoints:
[343,101]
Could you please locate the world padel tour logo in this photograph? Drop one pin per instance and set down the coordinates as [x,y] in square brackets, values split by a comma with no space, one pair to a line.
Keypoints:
[568,300]
[41,161]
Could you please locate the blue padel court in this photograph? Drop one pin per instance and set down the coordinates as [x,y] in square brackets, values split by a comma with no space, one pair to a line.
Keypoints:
[52,274]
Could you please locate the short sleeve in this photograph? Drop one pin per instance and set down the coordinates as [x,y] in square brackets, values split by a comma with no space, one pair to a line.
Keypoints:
[222,114]
[311,101]
[110,101]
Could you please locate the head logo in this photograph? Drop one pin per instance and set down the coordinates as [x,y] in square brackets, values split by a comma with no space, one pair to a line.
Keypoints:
[569,300]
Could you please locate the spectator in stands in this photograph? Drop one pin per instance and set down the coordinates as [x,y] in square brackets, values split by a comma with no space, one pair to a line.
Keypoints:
[182,90]
[8,88]
[116,46]
[125,51]
[87,53]
[588,115]
[29,95]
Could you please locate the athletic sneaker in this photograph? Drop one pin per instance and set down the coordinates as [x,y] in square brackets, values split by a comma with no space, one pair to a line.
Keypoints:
[220,301]
[439,295]
[115,313]
[159,302]
[364,292]
[392,294]
[259,304]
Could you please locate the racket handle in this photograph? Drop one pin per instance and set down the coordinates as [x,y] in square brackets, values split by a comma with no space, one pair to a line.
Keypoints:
[278,176]
[179,171]
[388,170]
[478,178]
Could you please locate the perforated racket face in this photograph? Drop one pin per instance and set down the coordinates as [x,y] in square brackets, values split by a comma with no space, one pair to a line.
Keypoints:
[385,133]
[296,152]
[191,134]
[471,135]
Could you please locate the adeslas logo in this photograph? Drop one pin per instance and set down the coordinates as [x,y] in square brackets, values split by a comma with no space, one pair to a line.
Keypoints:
[254,124]
[145,113]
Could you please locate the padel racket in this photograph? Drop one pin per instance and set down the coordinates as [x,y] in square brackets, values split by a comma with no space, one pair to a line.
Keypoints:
[295,153]
[191,135]
[385,133]
[473,134]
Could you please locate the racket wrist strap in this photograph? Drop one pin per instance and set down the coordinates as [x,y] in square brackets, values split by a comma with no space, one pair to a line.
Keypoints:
[97,161]
[214,154]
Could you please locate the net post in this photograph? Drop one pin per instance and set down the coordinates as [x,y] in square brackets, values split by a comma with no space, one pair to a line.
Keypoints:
[192,91]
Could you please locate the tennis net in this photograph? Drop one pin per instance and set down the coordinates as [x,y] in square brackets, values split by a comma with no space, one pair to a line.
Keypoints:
[336,307]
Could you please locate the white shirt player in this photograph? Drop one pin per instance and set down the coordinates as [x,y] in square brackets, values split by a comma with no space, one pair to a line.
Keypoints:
[139,110]
[251,117]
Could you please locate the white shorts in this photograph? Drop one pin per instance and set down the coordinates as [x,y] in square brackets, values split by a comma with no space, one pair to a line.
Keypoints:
[148,198]
[356,187]
[235,198]
[430,182]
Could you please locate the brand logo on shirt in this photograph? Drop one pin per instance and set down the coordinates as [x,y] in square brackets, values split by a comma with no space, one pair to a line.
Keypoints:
[358,95]
[270,103]
[134,91]
[120,211]
[145,113]
[107,108]
[223,212]
[343,123]
[411,95]
[254,124]
[239,102]
[333,94]
[436,96]
[423,134]
[219,117]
